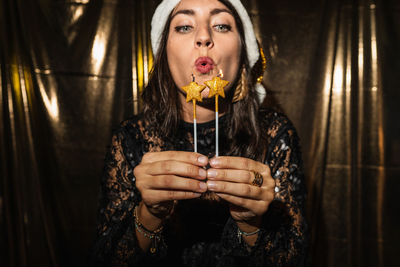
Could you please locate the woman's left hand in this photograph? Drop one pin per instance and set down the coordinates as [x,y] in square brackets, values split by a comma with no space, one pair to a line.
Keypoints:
[233,179]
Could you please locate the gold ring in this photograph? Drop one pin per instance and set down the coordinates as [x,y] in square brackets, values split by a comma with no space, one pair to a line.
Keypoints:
[258,179]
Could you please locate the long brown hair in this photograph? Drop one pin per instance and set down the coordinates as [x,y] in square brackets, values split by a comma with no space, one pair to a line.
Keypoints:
[162,109]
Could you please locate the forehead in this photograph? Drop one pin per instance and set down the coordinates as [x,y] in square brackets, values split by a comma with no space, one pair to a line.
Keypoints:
[199,6]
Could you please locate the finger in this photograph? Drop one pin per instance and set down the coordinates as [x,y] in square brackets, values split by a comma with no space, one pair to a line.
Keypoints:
[230,175]
[240,190]
[172,182]
[238,176]
[257,206]
[240,163]
[156,196]
[183,156]
[177,168]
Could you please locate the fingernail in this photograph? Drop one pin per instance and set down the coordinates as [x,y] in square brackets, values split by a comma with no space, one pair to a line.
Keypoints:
[213,161]
[211,185]
[202,172]
[202,159]
[203,186]
[211,173]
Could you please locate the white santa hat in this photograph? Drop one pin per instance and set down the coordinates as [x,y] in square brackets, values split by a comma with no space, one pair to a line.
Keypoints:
[165,8]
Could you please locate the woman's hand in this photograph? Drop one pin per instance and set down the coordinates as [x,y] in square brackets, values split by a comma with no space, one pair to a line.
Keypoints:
[231,178]
[162,177]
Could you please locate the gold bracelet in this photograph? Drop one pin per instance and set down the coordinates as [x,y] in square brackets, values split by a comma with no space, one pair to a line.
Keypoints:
[240,233]
[155,235]
[138,224]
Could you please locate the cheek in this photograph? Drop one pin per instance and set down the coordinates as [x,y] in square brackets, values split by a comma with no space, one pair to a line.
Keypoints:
[232,52]
[177,55]
[173,52]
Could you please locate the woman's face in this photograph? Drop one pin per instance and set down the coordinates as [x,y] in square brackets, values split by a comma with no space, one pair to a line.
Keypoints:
[203,39]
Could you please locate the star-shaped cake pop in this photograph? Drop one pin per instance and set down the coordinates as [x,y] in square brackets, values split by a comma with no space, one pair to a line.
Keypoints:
[193,91]
[216,86]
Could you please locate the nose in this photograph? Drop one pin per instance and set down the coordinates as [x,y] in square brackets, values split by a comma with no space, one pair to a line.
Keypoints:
[204,38]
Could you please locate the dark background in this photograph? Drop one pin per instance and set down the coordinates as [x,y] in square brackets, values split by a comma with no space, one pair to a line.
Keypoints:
[72,70]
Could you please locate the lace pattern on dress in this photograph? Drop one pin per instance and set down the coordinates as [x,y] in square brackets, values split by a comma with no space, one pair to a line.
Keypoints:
[283,238]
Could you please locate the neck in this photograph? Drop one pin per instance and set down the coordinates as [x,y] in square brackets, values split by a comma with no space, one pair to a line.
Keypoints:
[204,113]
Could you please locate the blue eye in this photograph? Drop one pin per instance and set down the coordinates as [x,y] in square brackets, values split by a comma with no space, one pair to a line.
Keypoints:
[223,27]
[183,29]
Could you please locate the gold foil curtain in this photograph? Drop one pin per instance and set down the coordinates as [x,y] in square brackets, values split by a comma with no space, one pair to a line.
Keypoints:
[72,70]
[346,166]
[142,53]
[331,68]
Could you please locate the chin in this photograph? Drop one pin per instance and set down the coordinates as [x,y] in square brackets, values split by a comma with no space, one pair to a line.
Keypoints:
[210,196]
[205,92]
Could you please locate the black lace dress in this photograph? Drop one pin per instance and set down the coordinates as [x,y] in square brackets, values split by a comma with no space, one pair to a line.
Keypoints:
[201,232]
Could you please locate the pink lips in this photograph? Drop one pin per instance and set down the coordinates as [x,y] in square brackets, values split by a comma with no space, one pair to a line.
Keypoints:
[204,64]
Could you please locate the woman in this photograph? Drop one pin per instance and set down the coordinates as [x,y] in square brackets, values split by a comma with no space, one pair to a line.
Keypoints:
[161,202]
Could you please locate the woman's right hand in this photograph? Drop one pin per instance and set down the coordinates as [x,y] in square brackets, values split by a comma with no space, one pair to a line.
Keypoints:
[163,177]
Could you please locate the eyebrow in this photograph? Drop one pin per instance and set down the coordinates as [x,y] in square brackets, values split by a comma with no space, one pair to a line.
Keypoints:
[216,11]
[191,12]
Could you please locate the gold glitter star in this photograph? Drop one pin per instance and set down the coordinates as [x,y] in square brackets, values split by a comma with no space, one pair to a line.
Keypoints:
[216,86]
[193,91]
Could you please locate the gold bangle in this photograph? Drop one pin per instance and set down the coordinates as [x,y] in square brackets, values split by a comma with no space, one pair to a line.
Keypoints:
[154,236]
[144,230]
[240,233]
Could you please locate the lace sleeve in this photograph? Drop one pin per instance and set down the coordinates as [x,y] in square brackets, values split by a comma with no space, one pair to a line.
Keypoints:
[116,242]
[283,238]
[285,233]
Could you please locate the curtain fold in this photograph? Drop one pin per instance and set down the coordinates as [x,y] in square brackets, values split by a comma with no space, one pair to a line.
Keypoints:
[72,70]
[331,69]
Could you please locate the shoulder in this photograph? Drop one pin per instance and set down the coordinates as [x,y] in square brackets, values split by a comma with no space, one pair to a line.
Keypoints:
[126,131]
[136,132]
[275,124]
[279,132]
[127,139]
[131,127]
